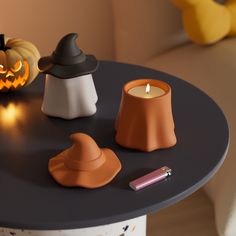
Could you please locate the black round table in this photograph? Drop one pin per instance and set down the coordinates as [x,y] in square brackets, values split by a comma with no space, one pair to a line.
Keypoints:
[30,198]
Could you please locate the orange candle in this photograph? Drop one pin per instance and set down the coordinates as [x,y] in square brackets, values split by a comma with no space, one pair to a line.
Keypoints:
[145,122]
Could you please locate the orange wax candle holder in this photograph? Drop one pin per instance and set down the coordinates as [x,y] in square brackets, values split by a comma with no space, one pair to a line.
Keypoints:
[143,123]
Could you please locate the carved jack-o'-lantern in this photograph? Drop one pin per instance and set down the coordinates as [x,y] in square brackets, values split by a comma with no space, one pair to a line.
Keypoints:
[18,63]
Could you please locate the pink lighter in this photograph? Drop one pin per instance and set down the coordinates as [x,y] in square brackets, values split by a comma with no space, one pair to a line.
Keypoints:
[151,178]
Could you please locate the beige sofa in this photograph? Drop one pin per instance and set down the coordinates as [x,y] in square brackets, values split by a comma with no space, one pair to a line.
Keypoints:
[145,32]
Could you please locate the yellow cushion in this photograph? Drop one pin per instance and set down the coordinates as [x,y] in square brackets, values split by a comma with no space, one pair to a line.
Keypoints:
[207,21]
[231,5]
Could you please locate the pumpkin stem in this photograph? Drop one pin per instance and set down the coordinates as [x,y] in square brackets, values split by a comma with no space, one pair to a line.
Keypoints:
[2,42]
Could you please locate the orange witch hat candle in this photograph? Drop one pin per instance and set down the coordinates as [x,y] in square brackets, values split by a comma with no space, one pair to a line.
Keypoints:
[145,121]
[84,164]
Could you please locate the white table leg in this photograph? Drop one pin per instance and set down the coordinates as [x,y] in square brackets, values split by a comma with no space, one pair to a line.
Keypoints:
[132,227]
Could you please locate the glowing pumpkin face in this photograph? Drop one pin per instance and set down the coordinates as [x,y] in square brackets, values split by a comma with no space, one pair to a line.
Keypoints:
[14,77]
[18,63]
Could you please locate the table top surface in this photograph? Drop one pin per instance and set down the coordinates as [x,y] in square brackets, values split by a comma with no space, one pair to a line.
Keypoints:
[30,198]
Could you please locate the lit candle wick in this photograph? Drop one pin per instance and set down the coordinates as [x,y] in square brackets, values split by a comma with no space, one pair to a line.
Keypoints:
[148,88]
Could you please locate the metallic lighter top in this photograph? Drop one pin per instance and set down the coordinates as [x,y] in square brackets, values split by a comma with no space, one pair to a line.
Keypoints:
[167,169]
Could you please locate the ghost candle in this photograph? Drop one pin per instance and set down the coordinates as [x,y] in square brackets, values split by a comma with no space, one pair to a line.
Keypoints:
[145,121]
[69,89]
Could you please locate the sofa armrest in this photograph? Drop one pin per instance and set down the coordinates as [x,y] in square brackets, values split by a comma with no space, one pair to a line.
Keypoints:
[213,69]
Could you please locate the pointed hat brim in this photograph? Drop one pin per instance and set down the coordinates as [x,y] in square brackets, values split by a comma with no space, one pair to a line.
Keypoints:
[47,66]
[88,179]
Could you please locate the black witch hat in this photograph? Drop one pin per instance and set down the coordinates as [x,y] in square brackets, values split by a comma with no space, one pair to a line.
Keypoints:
[68,61]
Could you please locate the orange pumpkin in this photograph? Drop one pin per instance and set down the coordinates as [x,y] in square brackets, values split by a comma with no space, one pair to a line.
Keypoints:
[18,63]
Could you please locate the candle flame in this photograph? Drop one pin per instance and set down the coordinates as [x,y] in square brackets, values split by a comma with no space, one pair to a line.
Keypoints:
[148,88]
